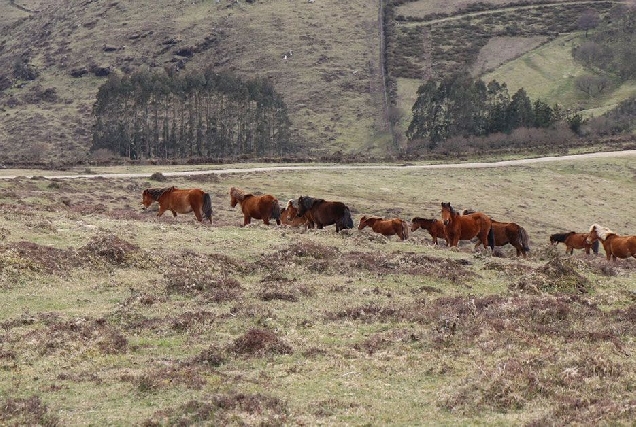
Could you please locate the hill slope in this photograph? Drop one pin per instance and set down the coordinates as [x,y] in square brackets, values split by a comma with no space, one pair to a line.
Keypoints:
[330,79]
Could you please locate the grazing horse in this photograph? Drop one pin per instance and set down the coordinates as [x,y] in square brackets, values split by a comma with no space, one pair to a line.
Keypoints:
[573,240]
[323,212]
[615,246]
[386,227]
[257,207]
[151,195]
[465,227]
[435,227]
[182,201]
[509,232]
[289,216]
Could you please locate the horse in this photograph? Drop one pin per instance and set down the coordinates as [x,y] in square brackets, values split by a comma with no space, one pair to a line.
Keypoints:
[510,232]
[288,216]
[465,227]
[183,201]
[435,227]
[386,227]
[323,212]
[258,207]
[615,246]
[151,195]
[573,240]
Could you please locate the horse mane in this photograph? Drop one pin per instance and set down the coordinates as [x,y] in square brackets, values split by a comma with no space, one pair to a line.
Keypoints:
[560,237]
[238,194]
[308,201]
[601,231]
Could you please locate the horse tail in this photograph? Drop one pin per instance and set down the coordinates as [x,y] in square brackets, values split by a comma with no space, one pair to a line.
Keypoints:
[595,247]
[207,206]
[491,239]
[275,210]
[347,221]
[523,239]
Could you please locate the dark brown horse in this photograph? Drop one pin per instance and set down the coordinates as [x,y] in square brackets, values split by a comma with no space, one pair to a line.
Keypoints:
[258,207]
[615,246]
[289,216]
[509,232]
[465,227]
[182,201]
[323,212]
[435,227]
[386,227]
[573,240]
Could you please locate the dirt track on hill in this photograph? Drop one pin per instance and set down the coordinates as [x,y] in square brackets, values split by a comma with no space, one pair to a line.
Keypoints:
[468,165]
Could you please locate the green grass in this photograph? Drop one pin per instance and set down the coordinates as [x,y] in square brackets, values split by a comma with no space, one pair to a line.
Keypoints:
[363,329]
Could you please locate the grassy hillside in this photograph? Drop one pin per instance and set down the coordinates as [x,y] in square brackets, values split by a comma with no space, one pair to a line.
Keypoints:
[331,78]
[114,316]
[331,81]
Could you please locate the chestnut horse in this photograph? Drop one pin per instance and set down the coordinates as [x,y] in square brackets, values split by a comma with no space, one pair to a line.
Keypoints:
[323,212]
[289,216]
[509,232]
[465,227]
[386,227]
[435,227]
[573,240]
[615,246]
[257,207]
[182,201]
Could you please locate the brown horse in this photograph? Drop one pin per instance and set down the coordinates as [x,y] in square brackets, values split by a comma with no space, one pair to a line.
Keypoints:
[465,227]
[615,246]
[386,227]
[573,240]
[323,212]
[435,227]
[258,207]
[181,201]
[151,195]
[509,232]
[289,216]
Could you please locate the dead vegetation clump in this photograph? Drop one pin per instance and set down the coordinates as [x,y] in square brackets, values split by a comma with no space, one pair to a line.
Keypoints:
[29,411]
[209,284]
[557,276]
[211,356]
[110,249]
[189,320]
[163,377]
[308,249]
[225,409]
[64,336]
[259,342]
[368,313]
[278,287]
[19,258]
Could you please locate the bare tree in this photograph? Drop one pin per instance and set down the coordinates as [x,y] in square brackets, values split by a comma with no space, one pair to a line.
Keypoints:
[592,85]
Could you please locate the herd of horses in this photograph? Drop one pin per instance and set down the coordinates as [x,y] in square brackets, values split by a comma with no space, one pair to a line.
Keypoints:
[311,212]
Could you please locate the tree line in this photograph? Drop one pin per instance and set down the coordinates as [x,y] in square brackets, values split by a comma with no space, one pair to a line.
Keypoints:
[460,105]
[198,114]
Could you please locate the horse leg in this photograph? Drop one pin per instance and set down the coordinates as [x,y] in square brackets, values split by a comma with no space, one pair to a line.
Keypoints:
[174,214]
[246,219]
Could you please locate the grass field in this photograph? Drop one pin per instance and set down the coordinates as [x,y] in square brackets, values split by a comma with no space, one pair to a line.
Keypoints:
[111,315]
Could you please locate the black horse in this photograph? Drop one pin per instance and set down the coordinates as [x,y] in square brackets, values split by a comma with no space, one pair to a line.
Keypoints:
[323,212]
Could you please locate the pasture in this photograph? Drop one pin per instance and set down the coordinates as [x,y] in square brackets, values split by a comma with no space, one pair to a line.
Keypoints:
[112,315]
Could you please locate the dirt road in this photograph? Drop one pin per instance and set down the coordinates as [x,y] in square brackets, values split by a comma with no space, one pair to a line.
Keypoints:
[519,162]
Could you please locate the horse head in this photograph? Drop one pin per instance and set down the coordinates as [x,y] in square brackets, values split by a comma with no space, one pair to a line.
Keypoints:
[447,212]
[598,232]
[236,196]
[363,223]
[147,199]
